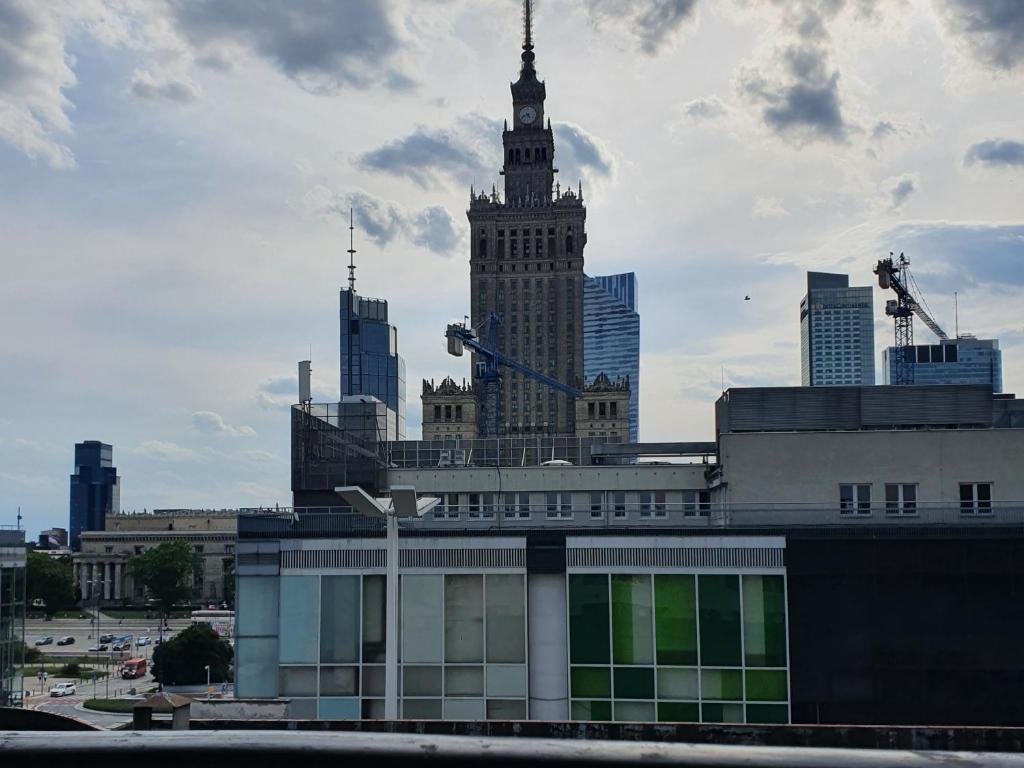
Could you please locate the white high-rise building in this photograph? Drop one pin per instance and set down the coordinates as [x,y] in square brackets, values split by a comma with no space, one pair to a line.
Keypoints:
[837,342]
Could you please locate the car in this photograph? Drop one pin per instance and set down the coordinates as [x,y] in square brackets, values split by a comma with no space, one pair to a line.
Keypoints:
[106,638]
[144,640]
[44,641]
[98,648]
[66,641]
[124,645]
[63,689]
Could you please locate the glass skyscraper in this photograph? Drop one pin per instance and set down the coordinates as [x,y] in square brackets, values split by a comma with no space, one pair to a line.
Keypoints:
[12,616]
[837,340]
[611,335]
[370,363]
[95,489]
[956,361]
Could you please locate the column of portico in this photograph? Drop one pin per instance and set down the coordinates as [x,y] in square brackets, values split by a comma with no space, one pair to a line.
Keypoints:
[77,575]
[108,580]
[118,568]
[86,581]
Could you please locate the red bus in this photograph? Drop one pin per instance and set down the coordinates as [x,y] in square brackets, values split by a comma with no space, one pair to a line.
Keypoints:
[134,669]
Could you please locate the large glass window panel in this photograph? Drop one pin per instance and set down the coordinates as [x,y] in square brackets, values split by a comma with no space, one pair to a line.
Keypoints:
[506,680]
[421,709]
[634,711]
[339,709]
[339,618]
[675,618]
[634,682]
[256,605]
[464,618]
[588,619]
[591,682]
[766,685]
[632,627]
[302,709]
[506,709]
[464,681]
[591,710]
[339,681]
[677,683]
[374,616]
[506,618]
[373,681]
[678,712]
[298,681]
[721,713]
[721,684]
[421,681]
[256,667]
[300,599]
[422,606]
[719,601]
[373,709]
[764,621]
[464,709]
[767,713]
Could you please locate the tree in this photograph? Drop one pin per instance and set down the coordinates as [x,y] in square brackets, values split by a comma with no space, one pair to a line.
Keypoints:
[166,571]
[50,580]
[229,581]
[182,660]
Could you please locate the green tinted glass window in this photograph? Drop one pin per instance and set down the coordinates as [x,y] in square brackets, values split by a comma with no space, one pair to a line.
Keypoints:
[721,684]
[719,598]
[722,713]
[767,713]
[634,683]
[766,685]
[588,619]
[675,619]
[632,641]
[592,710]
[764,621]
[678,712]
[593,682]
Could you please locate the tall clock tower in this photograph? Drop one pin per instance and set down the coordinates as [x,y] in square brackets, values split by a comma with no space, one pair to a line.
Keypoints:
[526,265]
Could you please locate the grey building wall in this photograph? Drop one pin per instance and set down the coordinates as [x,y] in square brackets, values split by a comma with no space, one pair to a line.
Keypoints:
[611,336]
[837,343]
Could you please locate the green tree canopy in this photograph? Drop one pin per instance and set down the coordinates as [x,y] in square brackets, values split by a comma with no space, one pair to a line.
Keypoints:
[166,572]
[50,580]
[182,660]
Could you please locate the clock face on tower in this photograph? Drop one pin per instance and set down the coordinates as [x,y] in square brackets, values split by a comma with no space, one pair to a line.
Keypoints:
[527,115]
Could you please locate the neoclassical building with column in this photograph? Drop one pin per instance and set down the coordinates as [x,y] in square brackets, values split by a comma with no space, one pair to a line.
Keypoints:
[101,568]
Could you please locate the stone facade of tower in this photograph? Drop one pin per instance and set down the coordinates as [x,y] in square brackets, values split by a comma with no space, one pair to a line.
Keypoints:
[449,410]
[603,410]
[526,266]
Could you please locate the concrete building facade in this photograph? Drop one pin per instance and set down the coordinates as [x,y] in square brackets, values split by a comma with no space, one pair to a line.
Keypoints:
[837,340]
[611,336]
[449,410]
[604,409]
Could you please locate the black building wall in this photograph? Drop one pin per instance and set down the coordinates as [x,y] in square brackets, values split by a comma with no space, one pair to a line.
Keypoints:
[94,490]
[912,631]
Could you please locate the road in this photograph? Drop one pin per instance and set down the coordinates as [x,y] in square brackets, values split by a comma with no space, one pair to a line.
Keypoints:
[71,706]
[84,632]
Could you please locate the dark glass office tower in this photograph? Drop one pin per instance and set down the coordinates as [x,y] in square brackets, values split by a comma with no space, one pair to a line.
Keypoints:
[611,335]
[370,363]
[95,489]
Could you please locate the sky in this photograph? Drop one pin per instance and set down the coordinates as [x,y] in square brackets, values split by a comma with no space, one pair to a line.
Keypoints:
[175,179]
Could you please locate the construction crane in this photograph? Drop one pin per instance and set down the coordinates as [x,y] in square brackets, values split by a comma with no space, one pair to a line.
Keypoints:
[895,274]
[459,336]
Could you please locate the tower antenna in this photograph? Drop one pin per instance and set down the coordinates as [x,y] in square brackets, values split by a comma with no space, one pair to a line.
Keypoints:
[527,25]
[351,253]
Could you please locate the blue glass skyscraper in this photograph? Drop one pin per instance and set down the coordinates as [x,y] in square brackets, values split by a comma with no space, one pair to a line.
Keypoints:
[611,335]
[95,489]
[370,363]
[954,361]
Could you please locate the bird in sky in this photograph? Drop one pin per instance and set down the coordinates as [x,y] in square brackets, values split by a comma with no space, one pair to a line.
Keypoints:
[746,298]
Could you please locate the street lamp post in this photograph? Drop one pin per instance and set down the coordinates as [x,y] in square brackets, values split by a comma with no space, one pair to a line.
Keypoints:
[207,682]
[401,503]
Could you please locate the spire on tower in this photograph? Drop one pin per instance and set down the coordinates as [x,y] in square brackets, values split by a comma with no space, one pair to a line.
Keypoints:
[528,55]
[351,253]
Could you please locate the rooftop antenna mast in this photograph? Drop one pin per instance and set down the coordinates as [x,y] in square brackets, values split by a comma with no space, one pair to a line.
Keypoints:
[351,253]
[527,25]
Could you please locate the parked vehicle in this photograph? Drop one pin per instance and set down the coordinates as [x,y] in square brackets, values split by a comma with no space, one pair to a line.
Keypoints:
[69,640]
[63,689]
[144,640]
[134,669]
[44,641]
[123,645]
[106,638]
[98,648]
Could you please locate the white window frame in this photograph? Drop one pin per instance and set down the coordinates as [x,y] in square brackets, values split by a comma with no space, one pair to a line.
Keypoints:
[901,506]
[558,505]
[855,505]
[976,505]
[597,499]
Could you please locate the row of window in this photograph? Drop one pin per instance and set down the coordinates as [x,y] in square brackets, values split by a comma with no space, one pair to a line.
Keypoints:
[448,412]
[519,156]
[902,498]
[559,505]
[603,410]
[536,241]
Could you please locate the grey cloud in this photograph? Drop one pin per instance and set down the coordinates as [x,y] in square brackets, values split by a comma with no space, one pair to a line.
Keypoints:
[581,154]
[993,30]
[282,385]
[882,130]
[321,44]
[145,85]
[902,190]
[424,154]
[212,423]
[654,24]
[995,153]
[434,228]
[704,108]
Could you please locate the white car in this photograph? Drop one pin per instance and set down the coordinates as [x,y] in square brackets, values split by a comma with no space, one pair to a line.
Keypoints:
[63,689]
[144,640]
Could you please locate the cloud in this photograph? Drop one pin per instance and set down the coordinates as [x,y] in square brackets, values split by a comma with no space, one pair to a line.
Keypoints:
[211,423]
[145,85]
[654,25]
[769,208]
[991,30]
[322,45]
[160,450]
[34,73]
[704,108]
[883,129]
[901,189]
[581,154]
[426,153]
[995,153]
[433,228]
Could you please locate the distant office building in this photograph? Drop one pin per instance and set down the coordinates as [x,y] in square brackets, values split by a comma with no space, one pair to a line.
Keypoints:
[12,616]
[611,336]
[370,363]
[837,341]
[95,489]
[955,361]
[53,538]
